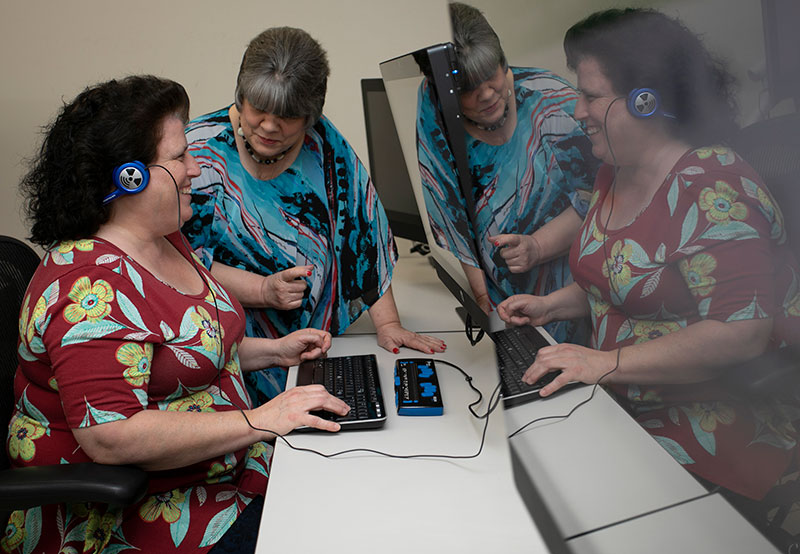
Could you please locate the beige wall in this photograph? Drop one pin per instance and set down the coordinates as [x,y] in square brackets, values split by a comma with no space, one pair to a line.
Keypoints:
[51,50]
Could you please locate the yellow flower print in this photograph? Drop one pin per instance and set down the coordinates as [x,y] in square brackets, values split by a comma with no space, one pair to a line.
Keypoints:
[22,434]
[198,402]
[720,204]
[649,330]
[697,273]
[90,300]
[38,311]
[597,234]
[80,509]
[232,366]
[209,329]
[99,528]
[165,505]
[15,531]
[793,307]
[216,471]
[593,201]
[707,152]
[617,263]
[23,319]
[710,413]
[257,449]
[84,245]
[599,306]
[138,361]
[778,225]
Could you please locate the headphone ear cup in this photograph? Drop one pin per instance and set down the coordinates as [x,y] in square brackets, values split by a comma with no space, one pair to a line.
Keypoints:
[128,178]
[131,177]
[644,102]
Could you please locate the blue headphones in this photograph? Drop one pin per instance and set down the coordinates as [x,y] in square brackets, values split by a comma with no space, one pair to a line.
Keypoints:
[129,178]
[645,102]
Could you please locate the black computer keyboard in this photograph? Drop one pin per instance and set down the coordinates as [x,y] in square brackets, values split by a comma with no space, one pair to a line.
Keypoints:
[353,379]
[516,349]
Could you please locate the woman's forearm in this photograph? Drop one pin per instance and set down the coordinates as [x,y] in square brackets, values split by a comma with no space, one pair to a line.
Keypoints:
[568,302]
[244,285]
[477,282]
[555,237]
[257,353]
[694,354]
[159,440]
[384,310]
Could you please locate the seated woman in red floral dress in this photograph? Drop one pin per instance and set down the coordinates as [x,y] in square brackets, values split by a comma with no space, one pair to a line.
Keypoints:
[130,351]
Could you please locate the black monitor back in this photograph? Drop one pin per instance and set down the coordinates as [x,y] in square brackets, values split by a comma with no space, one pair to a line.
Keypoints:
[387,166]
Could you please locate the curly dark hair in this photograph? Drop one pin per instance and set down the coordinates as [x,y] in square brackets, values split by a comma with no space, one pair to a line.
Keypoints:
[644,48]
[106,125]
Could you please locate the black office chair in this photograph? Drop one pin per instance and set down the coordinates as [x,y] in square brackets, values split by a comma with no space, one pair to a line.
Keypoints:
[24,488]
[772,147]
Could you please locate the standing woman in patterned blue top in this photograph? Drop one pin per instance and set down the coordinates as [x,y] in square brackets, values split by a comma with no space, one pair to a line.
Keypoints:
[285,215]
[529,163]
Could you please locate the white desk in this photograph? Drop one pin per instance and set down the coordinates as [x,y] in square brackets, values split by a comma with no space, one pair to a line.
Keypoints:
[365,502]
[707,524]
[598,466]
[602,477]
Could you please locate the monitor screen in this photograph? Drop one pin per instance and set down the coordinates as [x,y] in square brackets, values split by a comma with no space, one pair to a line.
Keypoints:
[782,49]
[387,166]
[403,78]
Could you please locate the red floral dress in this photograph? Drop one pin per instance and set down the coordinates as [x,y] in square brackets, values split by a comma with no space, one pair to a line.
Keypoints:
[710,245]
[102,339]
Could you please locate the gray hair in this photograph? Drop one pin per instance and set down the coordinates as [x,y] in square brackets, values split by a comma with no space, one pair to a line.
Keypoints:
[284,72]
[478,48]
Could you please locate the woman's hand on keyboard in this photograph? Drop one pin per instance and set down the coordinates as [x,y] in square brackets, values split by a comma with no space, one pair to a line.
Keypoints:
[291,408]
[577,363]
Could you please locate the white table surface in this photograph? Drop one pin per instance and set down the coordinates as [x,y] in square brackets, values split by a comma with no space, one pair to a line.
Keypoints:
[364,502]
[603,479]
[598,466]
[706,525]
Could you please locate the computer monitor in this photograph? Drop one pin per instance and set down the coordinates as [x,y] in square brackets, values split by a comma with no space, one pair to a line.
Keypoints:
[387,165]
[402,78]
[782,49]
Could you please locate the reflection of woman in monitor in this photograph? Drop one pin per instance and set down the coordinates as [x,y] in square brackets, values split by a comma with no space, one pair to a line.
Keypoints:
[682,261]
[528,161]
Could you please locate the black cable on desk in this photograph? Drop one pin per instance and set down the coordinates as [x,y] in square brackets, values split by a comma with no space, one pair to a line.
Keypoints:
[494,400]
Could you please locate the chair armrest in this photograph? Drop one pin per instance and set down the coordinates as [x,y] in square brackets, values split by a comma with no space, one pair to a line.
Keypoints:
[22,488]
[774,372]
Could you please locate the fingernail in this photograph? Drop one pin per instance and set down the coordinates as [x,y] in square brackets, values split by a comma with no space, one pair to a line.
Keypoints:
[497,243]
[396,350]
[309,273]
[432,351]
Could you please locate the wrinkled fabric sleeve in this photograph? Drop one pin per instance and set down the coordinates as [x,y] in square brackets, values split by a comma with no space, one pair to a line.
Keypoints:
[723,247]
